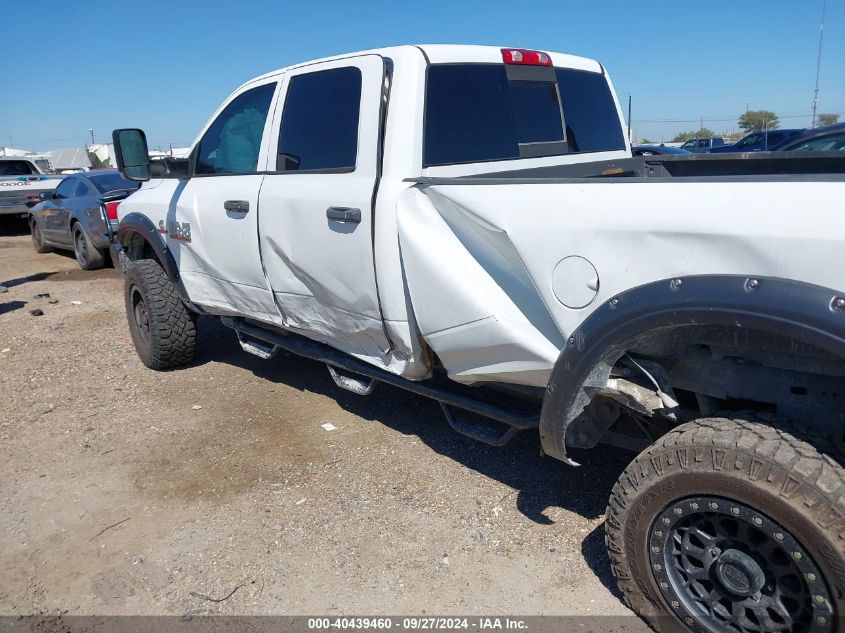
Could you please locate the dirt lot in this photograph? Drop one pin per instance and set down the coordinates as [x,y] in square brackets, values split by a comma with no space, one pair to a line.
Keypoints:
[120,495]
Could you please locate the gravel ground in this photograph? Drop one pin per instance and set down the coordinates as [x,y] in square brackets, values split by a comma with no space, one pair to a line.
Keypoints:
[126,491]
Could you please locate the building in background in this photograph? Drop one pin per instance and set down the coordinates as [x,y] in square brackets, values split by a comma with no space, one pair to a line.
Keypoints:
[70,159]
[102,156]
[84,158]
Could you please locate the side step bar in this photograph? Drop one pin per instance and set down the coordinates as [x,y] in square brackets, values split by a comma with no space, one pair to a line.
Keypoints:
[450,397]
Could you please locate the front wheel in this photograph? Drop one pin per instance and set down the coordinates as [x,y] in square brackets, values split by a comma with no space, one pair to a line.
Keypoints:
[162,328]
[728,525]
[38,242]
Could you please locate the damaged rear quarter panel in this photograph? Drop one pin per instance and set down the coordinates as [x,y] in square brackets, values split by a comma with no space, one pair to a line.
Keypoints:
[479,258]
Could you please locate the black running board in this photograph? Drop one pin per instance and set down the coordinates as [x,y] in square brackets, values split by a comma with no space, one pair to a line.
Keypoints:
[449,396]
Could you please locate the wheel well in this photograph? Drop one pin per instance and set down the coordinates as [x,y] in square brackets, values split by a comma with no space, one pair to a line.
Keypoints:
[137,247]
[679,373]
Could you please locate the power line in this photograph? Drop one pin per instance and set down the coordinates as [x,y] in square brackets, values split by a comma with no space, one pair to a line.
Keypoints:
[722,119]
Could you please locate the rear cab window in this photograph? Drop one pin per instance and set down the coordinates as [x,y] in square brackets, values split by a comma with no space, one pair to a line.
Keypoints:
[479,112]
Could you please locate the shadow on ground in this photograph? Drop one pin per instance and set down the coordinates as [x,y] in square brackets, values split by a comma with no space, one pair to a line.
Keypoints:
[538,482]
[19,281]
[11,306]
[10,226]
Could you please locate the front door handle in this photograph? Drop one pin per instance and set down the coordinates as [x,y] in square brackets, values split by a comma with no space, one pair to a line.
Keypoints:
[344,214]
[238,206]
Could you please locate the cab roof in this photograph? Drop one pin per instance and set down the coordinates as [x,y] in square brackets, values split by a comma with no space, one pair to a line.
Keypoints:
[446,53]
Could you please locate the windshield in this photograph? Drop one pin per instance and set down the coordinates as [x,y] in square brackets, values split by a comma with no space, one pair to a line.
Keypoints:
[111,182]
[15,168]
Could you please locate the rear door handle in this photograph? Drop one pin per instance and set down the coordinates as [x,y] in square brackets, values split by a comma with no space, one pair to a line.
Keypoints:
[344,214]
[239,206]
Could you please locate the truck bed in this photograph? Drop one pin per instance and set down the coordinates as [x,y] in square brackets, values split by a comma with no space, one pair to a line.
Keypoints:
[540,249]
[779,166]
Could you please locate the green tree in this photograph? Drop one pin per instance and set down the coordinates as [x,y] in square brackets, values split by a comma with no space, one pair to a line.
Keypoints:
[828,119]
[685,136]
[756,120]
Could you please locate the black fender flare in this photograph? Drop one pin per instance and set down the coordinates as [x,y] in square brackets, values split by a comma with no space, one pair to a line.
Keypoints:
[139,224]
[805,312]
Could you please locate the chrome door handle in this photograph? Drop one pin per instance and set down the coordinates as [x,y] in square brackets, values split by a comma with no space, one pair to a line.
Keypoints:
[344,214]
[238,206]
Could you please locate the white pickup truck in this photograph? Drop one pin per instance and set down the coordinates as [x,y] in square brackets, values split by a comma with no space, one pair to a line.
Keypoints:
[21,184]
[468,223]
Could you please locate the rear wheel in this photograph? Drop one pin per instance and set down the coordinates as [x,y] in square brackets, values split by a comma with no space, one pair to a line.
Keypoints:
[89,257]
[38,242]
[162,328]
[728,525]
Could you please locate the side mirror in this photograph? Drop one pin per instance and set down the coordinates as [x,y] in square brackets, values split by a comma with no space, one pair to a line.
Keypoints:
[46,195]
[130,150]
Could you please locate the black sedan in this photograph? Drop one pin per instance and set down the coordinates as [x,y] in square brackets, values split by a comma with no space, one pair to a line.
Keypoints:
[656,150]
[821,139]
[74,216]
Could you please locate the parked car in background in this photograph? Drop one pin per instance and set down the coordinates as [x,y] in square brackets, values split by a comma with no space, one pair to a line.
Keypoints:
[78,215]
[701,145]
[656,150]
[821,139]
[21,184]
[758,141]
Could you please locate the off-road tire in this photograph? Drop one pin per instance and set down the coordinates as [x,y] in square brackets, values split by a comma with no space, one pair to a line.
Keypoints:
[87,255]
[38,242]
[163,329]
[792,478]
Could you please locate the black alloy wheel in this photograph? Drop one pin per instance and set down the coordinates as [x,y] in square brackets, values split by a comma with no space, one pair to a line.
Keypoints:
[732,568]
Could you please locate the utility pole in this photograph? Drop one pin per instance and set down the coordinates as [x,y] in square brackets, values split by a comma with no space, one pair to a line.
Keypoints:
[92,135]
[629,117]
[701,124]
[819,62]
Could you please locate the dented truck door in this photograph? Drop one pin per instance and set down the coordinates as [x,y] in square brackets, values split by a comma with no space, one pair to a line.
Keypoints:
[315,225]
[211,224]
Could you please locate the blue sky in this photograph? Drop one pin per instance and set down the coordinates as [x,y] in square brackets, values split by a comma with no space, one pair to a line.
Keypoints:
[166,65]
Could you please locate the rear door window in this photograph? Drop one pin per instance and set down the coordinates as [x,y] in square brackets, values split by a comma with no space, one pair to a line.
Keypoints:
[320,121]
[478,113]
[231,144]
[773,138]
